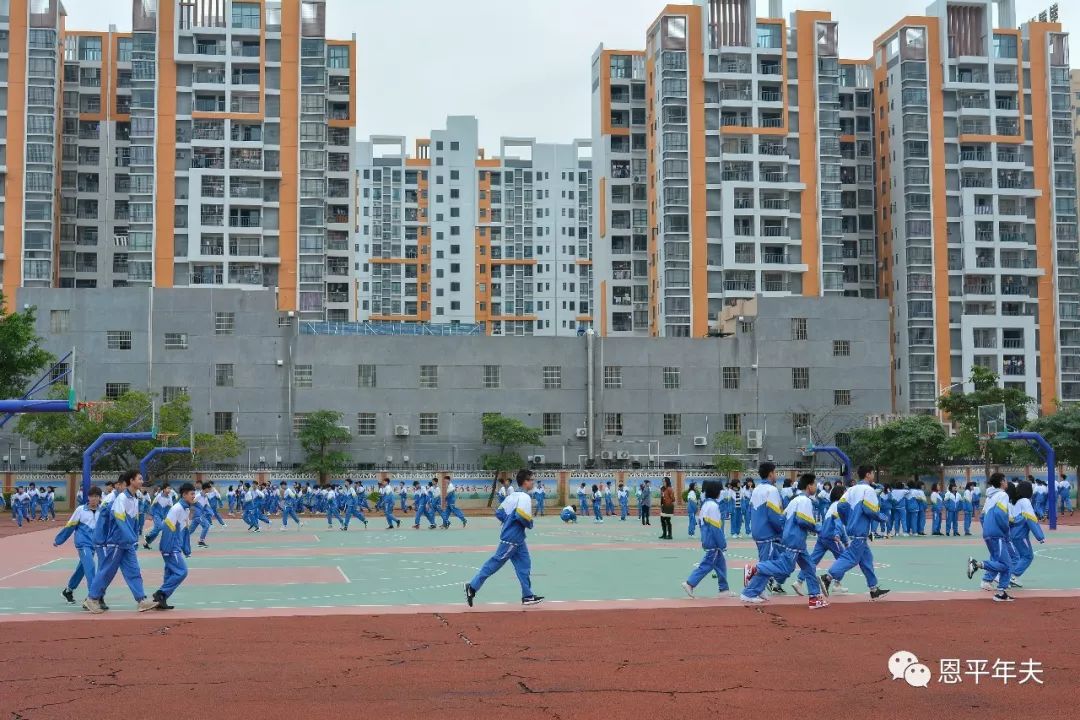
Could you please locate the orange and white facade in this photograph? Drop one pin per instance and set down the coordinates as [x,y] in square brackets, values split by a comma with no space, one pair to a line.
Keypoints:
[748,181]
[977,202]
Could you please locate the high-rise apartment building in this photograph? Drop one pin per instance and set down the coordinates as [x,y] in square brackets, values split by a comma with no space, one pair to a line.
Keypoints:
[30,62]
[977,202]
[740,149]
[212,146]
[451,236]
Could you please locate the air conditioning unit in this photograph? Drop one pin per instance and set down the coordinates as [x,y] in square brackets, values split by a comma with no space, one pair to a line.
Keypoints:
[401,430]
[582,432]
[639,179]
[700,441]
[754,439]
[607,455]
[538,459]
[623,455]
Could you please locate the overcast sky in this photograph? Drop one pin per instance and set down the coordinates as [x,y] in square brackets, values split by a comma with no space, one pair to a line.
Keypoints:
[521,66]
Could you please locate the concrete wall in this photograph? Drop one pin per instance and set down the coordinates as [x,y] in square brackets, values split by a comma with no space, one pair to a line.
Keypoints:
[264,356]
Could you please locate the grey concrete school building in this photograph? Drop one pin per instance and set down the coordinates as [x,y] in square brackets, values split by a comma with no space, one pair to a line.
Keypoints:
[419,400]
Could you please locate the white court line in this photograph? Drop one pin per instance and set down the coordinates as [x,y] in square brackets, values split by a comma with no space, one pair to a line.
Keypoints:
[14,574]
[343,574]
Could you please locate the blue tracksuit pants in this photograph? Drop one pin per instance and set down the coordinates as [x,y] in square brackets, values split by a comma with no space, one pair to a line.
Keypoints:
[936,527]
[1000,563]
[713,561]
[175,572]
[453,509]
[596,511]
[1025,556]
[822,547]
[968,513]
[388,512]
[159,523]
[124,559]
[780,568]
[952,522]
[289,512]
[540,506]
[85,568]
[736,519]
[516,554]
[624,510]
[857,554]
[354,512]
[331,514]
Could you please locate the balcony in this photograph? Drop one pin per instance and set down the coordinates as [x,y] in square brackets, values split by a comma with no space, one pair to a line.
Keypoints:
[1014,365]
[208,76]
[774,258]
[247,220]
[739,285]
[772,148]
[776,286]
[774,176]
[774,230]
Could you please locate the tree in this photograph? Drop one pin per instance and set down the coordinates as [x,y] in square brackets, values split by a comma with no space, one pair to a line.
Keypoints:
[321,431]
[911,445]
[1062,431]
[963,411]
[64,436]
[726,448]
[21,359]
[864,446]
[506,434]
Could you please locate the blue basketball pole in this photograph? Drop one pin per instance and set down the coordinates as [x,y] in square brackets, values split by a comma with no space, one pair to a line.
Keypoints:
[144,464]
[1039,444]
[838,454]
[88,454]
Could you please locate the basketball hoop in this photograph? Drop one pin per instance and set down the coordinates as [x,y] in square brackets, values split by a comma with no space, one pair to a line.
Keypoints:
[804,440]
[95,409]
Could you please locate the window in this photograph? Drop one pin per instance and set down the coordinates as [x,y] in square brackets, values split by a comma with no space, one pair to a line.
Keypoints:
[672,380]
[672,424]
[552,424]
[298,422]
[552,377]
[245,15]
[798,328]
[113,391]
[841,398]
[224,323]
[170,393]
[613,423]
[492,377]
[429,423]
[800,378]
[612,377]
[429,377]
[223,375]
[366,376]
[59,321]
[365,424]
[223,423]
[799,420]
[841,348]
[732,377]
[118,339]
[337,57]
[733,423]
[302,376]
[176,341]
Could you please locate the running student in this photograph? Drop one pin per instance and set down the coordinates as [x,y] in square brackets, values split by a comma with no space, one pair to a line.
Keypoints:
[860,505]
[517,509]
[120,547]
[175,546]
[387,503]
[995,530]
[766,523]
[81,525]
[450,506]
[831,538]
[1024,524]
[713,541]
[798,522]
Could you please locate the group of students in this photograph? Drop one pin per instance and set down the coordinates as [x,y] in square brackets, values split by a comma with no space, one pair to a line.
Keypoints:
[32,504]
[1009,521]
[106,527]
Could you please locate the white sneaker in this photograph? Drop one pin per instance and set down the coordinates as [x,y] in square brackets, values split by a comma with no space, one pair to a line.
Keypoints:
[147,604]
[797,586]
[689,590]
[988,586]
[837,588]
[751,600]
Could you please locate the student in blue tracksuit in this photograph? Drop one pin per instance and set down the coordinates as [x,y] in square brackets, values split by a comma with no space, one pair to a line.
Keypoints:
[121,545]
[911,504]
[540,495]
[692,509]
[886,504]
[450,506]
[202,517]
[597,498]
[609,500]
[289,500]
[215,502]
[50,503]
[952,502]
[434,505]
[787,493]
[1038,500]
[583,497]
[728,499]
[745,496]
[967,505]
[330,498]
[517,508]
[20,506]
[419,498]
[798,523]
[996,535]
[386,494]
[159,508]
[175,546]
[736,509]
[624,502]
[937,505]
[898,518]
[713,541]
[231,499]
[1064,489]
[832,538]
[251,515]
[403,497]
[81,525]
[766,523]
[353,502]
[859,503]
[821,503]
[568,514]
[1024,524]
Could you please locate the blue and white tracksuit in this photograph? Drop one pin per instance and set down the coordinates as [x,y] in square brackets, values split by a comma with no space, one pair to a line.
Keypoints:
[736,513]
[745,495]
[158,510]
[937,506]
[568,515]
[609,501]
[624,503]
[798,522]
[860,505]
[898,519]
[81,525]
[727,501]
[450,506]
[20,506]
[582,496]
[597,498]
[912,503]
[539,496]
[713,543]
[996,535]
[517,509]
[832,538]
[331,500]
[119,548]
[403,496]
[967,504]
[1023,524]
[420,500]
[952,504]
[203,515]
[215,503]
[387,504]
[692,511]
[434,504]
[353,502]
[1064,488]
[288,507]
[175,546]
[766,520]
